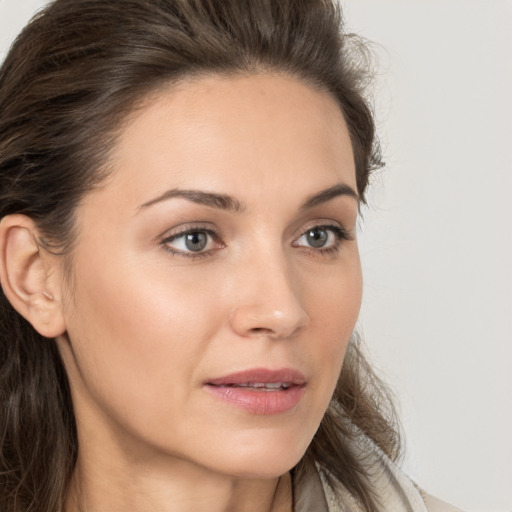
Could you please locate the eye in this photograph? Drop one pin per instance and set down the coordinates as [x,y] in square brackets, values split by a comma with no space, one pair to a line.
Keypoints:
[322,238]
[191,242]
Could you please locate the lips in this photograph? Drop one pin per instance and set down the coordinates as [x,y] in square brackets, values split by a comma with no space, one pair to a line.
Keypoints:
[259,377]
[260,390]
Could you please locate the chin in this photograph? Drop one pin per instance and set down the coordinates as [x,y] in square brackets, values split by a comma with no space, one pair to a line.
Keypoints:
[262,458]
[259,469]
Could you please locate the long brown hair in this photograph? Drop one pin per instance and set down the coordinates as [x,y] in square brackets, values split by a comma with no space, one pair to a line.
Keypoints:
[69,82]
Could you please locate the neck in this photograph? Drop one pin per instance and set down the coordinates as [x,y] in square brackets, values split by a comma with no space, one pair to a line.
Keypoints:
[180,488]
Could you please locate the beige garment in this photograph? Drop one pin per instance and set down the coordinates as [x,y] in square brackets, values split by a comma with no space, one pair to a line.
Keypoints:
[435,505]
[396,491]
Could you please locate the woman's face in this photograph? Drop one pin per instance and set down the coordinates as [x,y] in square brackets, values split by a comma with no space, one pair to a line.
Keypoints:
[216,278]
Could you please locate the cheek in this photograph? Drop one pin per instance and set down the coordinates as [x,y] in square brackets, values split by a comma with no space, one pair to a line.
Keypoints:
[334,302]
[147,337]
[334,298]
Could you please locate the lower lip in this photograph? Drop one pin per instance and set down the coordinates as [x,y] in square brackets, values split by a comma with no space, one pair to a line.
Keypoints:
[259,402]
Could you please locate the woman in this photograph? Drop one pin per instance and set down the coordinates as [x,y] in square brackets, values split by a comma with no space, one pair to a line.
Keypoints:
[180,183]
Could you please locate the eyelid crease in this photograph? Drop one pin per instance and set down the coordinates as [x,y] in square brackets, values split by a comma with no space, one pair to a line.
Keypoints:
[336,226]
[189,227]
[339,232]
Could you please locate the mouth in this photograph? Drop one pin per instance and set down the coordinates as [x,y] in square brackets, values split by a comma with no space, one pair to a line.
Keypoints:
[260,391]
[260,386]
[261,379]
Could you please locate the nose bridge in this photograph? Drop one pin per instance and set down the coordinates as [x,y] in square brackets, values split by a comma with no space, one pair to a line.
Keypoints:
[271,301]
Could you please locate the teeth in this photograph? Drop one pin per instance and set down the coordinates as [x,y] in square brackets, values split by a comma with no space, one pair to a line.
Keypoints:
[274,385]
[265,385]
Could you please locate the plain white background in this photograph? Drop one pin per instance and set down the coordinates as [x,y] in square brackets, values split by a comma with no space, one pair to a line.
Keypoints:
[436,241]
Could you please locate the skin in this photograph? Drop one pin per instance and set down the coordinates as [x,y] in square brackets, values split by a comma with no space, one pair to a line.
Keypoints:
[146,324]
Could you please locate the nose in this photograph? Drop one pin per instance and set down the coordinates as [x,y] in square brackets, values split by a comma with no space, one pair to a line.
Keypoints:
[269,302]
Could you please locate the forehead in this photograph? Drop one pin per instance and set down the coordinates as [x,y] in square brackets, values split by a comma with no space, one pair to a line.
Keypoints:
[235,134]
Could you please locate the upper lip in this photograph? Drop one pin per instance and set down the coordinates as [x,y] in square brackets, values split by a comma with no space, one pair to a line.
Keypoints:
[260,375]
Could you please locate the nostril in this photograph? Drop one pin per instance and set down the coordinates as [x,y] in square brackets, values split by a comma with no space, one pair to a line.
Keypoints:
[260,330]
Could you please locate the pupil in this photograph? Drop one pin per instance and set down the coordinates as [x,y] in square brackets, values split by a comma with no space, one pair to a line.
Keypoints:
[196,241]
[317,237]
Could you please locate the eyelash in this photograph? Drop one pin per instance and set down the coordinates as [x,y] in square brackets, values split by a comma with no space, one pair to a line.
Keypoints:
[214,234]
[340,234]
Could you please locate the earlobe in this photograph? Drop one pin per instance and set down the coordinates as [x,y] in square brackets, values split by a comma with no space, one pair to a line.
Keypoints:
[27,276]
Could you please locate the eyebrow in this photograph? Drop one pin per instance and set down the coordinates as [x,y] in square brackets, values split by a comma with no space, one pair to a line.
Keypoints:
[341,189]
[219,201]
[229,203]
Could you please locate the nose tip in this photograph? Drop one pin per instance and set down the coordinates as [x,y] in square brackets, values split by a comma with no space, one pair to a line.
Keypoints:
[275,314]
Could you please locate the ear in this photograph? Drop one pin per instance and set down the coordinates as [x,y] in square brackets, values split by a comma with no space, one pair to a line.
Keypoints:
[30,276]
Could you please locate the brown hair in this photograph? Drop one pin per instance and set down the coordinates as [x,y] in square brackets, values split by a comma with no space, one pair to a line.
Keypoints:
[70,80]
